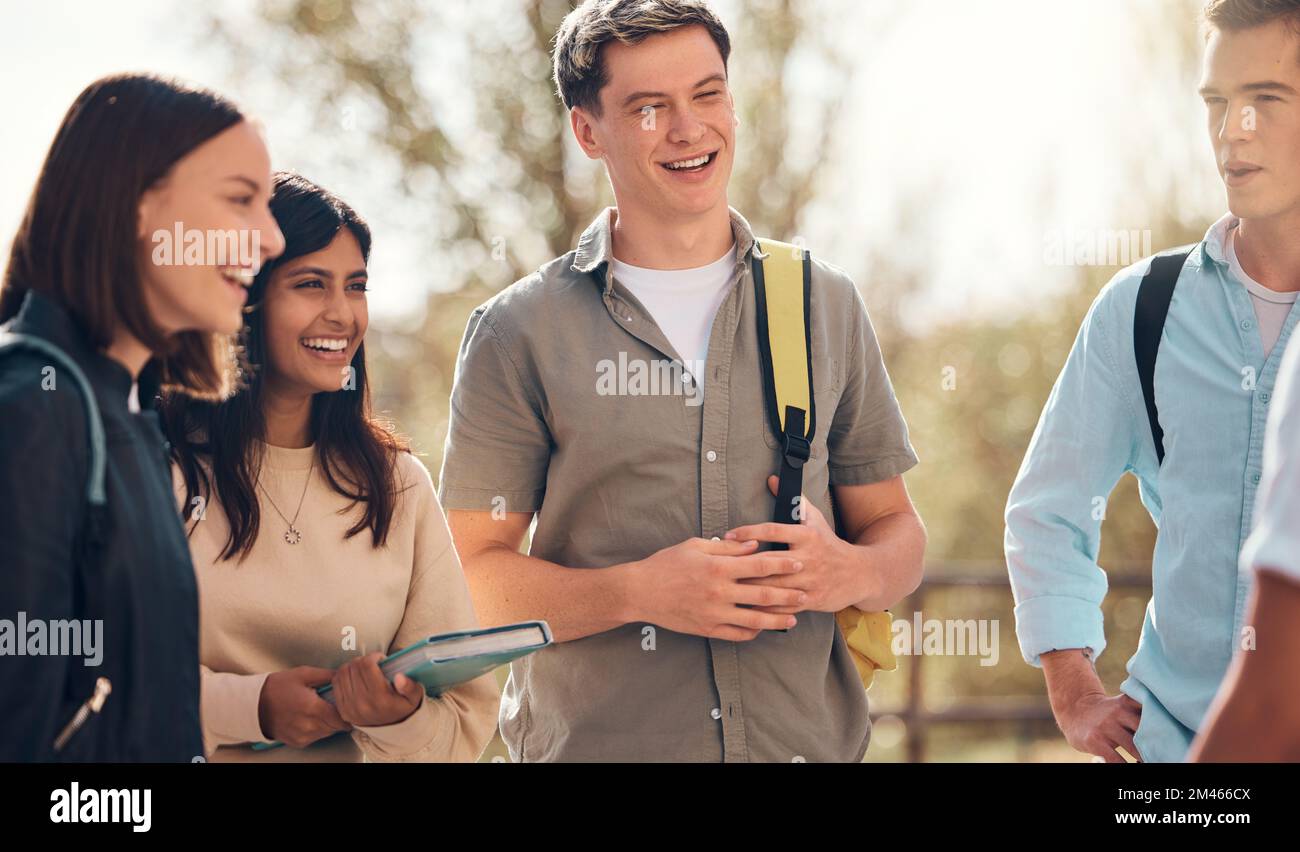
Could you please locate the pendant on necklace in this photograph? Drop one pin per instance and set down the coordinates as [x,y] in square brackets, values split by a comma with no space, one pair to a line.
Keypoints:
[292,535]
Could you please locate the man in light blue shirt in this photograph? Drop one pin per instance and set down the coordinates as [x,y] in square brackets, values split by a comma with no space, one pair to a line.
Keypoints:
[1257,714]
[1213,384]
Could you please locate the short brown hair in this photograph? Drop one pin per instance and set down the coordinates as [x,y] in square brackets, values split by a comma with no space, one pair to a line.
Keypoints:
[77,241]
[579,68]
[1233,15]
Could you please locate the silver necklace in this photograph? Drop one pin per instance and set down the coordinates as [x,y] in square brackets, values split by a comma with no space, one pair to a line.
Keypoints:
[291,535]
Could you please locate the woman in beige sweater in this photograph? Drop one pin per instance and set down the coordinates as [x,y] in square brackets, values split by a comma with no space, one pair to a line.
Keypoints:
[316,536]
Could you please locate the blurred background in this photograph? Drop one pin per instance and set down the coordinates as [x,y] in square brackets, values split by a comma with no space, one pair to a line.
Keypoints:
[980,169]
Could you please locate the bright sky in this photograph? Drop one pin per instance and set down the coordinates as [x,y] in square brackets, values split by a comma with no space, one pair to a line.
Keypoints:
[995,121]
[1000,121]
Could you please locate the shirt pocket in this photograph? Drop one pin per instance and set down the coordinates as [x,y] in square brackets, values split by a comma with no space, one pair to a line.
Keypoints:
[827,387]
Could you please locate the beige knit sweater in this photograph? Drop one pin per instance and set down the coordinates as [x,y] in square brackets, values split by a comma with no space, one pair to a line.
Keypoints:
[324,601]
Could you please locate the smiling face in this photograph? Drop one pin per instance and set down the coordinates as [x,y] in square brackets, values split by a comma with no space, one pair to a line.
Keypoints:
[666,131]
[223,185]
[315,317]
[1251,87]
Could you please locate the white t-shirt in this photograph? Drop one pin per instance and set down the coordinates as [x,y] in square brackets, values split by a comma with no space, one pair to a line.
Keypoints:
[683,302]
[1271,307]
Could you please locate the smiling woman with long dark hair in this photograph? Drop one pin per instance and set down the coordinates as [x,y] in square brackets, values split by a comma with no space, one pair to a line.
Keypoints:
[317,539]
[294,393]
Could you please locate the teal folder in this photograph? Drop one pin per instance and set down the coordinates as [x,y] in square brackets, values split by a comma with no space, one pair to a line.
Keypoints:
[446,660]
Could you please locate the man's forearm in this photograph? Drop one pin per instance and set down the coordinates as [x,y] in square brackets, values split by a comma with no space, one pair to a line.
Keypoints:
[894,547]
[508,586]
[1070,675]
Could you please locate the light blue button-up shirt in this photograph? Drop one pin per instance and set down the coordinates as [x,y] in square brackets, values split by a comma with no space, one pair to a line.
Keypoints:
[1213,387]
[1275,542]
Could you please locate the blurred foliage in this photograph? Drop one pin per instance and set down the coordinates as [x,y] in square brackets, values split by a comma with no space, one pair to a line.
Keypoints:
[458,98]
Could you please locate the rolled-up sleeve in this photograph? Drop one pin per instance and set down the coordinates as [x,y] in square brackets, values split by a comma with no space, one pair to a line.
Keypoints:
[1274,543]
[868,439]
[498,445]
[1086,439]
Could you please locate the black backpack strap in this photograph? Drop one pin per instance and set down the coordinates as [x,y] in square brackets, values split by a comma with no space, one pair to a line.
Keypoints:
[1149,314]
[95,494]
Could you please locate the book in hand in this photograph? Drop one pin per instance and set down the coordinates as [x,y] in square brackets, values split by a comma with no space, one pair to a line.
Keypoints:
[446,660]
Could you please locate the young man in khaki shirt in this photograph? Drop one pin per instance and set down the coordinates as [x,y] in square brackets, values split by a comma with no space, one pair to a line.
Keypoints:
[678,637]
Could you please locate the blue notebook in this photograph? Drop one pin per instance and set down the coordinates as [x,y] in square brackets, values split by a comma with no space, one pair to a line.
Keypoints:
[446,660]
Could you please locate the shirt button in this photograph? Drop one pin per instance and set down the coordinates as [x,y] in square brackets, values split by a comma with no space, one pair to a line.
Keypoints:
[1246,324]
[1265,397]
[711,455]
[715,713]
[1254,477]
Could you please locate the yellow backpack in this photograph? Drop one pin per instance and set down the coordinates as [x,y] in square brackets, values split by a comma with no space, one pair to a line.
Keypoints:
[782,284]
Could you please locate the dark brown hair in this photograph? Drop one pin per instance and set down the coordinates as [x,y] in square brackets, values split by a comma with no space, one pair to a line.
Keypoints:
[356,451]
[1233,15]
[578,67]
[77,241]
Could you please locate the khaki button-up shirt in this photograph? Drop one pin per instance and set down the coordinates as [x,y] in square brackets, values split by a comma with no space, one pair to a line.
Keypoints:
[570,402]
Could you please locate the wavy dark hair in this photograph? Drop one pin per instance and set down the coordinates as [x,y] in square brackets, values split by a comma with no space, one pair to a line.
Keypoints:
[356,451]
[77,240]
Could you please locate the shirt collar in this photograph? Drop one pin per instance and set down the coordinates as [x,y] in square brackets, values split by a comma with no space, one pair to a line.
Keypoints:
[596,245]
[1216,238]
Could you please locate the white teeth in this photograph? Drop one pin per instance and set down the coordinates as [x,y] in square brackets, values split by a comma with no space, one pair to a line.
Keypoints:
[326,343]
[243,277]
[689,164]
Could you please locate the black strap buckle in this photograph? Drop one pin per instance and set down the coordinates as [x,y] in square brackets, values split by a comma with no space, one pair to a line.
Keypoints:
[797,449]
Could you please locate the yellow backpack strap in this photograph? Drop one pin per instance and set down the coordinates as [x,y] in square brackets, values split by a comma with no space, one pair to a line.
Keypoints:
[782,283]
[782,286]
